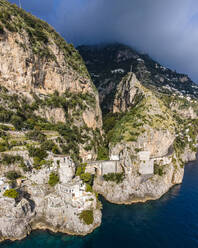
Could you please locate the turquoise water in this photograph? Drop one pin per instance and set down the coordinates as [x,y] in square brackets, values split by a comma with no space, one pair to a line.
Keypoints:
[169,222]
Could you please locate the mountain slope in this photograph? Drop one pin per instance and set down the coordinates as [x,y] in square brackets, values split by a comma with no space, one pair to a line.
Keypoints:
[150,121]
[108,64]
[49,77]
[50,121]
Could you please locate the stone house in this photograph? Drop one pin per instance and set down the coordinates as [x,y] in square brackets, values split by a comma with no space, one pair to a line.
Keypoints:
[65,167]
[103,167]
[72,190]
[74,193]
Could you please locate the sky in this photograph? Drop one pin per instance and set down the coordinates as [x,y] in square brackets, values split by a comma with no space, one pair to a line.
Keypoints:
[167,30]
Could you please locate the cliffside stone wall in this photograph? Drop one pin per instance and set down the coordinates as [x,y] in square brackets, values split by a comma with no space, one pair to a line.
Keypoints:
[104,167]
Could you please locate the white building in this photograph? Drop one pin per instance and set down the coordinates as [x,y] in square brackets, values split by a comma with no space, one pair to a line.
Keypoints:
[3,185]
[146,164]
[73,190]
[65,167]
[120,71]
[115,157]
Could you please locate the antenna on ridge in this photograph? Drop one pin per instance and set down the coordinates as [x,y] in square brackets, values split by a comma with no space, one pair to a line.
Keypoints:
[20,3]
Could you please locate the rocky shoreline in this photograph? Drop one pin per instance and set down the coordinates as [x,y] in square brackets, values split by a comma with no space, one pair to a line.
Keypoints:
[132,191]
[63,141]
[32,221]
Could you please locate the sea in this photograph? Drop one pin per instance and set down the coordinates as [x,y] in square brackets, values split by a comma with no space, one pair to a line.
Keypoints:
[170,222]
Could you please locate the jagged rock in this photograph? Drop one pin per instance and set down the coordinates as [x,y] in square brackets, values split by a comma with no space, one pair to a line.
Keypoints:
[15,218]
[53,115]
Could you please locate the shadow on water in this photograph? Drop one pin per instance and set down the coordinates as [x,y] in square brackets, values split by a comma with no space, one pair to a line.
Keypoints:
[170,221]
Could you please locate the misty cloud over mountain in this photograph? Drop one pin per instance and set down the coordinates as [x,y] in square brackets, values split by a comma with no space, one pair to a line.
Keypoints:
[166,30]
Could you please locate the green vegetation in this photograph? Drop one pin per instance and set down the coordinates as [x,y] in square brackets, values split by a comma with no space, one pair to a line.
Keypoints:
[87,178]
[9,159]
[17,121]
[80,170]
[87,217]
[40,34]
[37,152]
[12,175]
[158,170]
[1,30]
[114,177]
[39,156]
[3,148]
[36,135]
[21,114]
[103,153]
[11,193]
[53,179]
[49,145]
[88,188]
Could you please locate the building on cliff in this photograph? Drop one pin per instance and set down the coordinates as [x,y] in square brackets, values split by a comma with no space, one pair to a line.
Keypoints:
[146,163]
[104,167]
[65,165]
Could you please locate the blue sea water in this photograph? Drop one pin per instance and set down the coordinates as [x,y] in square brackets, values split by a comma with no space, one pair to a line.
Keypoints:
[169,222]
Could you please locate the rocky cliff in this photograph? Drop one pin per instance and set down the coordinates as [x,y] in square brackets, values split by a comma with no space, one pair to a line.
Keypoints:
[38,65]
[42,205]
[150,120]
[51,128]
[49,118]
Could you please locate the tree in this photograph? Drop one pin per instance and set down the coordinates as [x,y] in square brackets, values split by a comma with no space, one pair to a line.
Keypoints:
[87,217]
[11,193]
[12,175]
[86,178]
[17,122]
[53,179]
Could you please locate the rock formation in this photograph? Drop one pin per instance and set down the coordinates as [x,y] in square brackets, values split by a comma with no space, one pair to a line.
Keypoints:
[148,119]
[52,132]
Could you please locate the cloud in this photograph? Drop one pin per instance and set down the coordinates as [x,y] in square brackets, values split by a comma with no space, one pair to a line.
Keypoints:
[165,29]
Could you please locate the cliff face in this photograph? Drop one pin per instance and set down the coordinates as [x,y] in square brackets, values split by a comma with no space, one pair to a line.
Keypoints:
[37,63]
[51,124]
[150,122]
[146,124]
[49,118]
[108,64]
[43,206]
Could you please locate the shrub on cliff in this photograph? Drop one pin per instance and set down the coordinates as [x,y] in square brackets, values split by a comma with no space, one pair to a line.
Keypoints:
[87,178]
[38,163]
[80,170]
[9,159]
[36,135]
[5,115]
[53,179]
[17,121]
[114,177]
[37,152]
[158,170]
[1,29]
[88,188]
[103,153]
[87,217]
[3,148]
[11,193]
[12,175]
